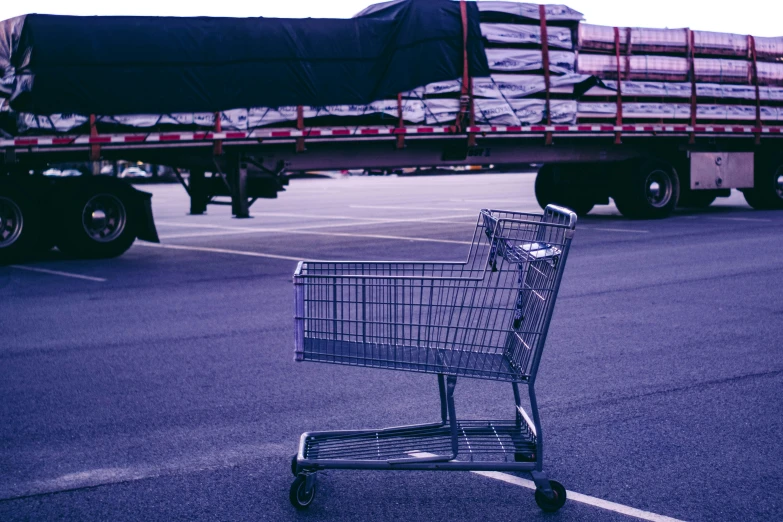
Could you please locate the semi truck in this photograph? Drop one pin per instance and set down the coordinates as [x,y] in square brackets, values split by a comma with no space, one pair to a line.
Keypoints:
[486,103]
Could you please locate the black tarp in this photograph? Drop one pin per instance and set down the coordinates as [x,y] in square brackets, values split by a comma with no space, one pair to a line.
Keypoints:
[137,65]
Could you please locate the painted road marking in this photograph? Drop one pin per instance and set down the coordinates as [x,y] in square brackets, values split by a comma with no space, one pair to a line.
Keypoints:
[218,251]
[499,200]
[361,222]
[628,230]
[59,273]
[314,233]
[570,495]
[760,220]
[392,207]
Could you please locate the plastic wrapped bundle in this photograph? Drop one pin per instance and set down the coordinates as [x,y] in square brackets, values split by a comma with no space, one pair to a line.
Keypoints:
[518,60]
[672,68]
[675,41]
[683,90]
[503,112]
[519,11]
[679,111]
[518,34]
[506,86]
[10,31]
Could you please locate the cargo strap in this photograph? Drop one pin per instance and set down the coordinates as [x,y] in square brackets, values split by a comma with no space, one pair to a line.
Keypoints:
[466,117]
[400,124]
[300,145]
[218,147]
[95,150]
[545,60]
[618,135]
[691,41]
[755,78]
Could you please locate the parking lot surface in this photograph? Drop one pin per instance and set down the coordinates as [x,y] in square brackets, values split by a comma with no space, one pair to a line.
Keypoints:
[161,385]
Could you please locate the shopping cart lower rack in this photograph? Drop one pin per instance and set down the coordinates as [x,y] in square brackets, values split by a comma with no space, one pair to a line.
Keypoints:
[485,318]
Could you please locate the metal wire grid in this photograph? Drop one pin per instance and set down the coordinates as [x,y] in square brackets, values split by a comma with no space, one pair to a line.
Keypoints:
[478,437]
[484,318]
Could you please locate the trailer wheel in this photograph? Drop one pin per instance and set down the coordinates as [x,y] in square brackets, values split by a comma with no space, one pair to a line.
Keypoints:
[646,190]
[767,192]
[98,224]
[19,224]
[552,187]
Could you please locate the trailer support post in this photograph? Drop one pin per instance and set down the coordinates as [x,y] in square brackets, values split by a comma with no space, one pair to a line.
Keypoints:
[198,193]
[239,203]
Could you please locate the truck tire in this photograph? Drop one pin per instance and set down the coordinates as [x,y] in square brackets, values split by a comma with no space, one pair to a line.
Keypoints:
[767,191]
[646,189]
[20,220]
[550,188]
[98,222]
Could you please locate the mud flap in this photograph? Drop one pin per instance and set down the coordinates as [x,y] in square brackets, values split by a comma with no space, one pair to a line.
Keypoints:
[145,226]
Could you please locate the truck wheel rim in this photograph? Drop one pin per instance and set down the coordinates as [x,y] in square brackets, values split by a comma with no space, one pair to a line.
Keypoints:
[11,222]
[779,182]
[104,218]
[658,188]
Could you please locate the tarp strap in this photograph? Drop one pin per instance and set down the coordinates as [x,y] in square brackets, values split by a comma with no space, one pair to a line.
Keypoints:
[472,137]
[628,43]
[619,121]
[545,60]
[400,123]
[755,77]
[691,41]
[95,150]
[300,146]
[465,92]
[218,148]
[465,115]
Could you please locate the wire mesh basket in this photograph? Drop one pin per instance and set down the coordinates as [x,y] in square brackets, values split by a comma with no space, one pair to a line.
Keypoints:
[485,318]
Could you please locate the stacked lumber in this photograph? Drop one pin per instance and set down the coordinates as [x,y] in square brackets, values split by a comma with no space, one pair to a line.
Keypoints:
[515,93]
[558,70]
[663,74]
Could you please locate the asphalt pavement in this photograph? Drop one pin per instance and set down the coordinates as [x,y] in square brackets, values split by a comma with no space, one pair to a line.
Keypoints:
[161,385]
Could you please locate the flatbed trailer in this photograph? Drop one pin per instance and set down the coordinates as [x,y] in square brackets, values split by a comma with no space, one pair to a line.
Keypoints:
[646,169]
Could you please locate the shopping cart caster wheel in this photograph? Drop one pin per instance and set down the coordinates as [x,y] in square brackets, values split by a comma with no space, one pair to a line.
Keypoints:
[550,505]
[293,465]
[300,498]
[524,457]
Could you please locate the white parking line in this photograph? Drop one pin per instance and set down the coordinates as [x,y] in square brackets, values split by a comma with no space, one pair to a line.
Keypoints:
[571,496]
[498,200]
[722,218]
[628,230]
[59,273]
[391,207]
[218,251]
[315,233]
[360,222]
[439,219]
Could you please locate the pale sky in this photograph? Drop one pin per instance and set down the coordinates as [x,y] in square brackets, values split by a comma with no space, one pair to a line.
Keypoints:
[758,17]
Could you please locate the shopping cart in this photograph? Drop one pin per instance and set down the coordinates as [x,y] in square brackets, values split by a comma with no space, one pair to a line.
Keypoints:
[485,318]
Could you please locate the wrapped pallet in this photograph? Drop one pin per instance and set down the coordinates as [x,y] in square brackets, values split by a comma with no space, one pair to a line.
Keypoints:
[677,69]
[675,41]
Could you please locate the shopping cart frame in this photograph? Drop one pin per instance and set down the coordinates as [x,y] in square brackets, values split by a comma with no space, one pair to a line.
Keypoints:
[527,448]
